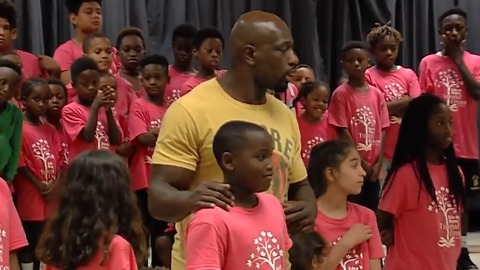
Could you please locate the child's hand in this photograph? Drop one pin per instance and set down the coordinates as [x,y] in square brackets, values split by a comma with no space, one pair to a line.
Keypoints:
[102,98]
[368,170]
[387,237]
[111,98]
[45,188]
[356,235]
[154,131]
[376,171]
[453,46]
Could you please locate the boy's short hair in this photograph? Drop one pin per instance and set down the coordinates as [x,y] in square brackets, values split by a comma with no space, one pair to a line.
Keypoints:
[29,84]
[185,31]
[354,44]
[129,31]
[155,59]
[380,31]
[73,6]
[11,65]
[206,33]
[452,11]
[88,40]
[8,12]
[80,65]
[230,137]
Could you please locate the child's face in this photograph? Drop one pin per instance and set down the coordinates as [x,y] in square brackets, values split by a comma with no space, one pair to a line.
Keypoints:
[57,98]
[440,127]
[100,50]
[9,80]
[300,76]
[316,103]
[7,35]
[13,57]
[155,78]
[108,82]
[131,52]
[37,102]
[355,63]
[183,51]
[89,18]
[454,28]
[349,176]
[87,85]
[210,53]
[386,51]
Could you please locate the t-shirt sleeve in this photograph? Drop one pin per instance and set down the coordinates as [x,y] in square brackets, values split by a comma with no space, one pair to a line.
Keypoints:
[375,248]
[337,111]
[16,235]
[178,141]
[73,122]
[204,248]
[63,57]
[414,89]
[384,116]
[395,196]
[425,79]
[121,256]
[297,172]
[137,123]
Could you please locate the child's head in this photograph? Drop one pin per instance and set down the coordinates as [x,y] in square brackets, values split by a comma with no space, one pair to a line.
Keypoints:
[314,98]
[335,165]
[131,47]
[155,75]
[35,95]
[308,251]
[99,48]
[208,46]
[384,42]
[8,23]
[12,56]
[426,132]
[108,82]
[58,96]
[301,74]
[453,24]
[10,76]
[244,152]
[182,44]
[95,204]
[355,59]
[85,15]
[85,78]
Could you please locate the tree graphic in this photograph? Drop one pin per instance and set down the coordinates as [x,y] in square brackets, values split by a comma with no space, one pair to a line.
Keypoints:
[452,83]
[352,260]
[3,234]
[175,96]
[101,137]
[310,144]
[41,151]
[447,206]
[393,91]
[268,251]
[66,152]
[364,117]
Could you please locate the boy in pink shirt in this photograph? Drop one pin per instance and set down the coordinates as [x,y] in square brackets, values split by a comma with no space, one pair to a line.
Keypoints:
[252,234]
[182,68]
[208,46]
[453,74]
[398,84]
[90,122]
[360,115]
[131,51]
[12,235]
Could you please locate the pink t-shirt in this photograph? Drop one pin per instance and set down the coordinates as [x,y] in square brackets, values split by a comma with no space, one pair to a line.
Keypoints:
[238,239]
[289,96]
[427,235]
[193,81]
[440,76]
[120,257]
[74,119]
[332,230]
[312,134]
[42,154]
[30,65]
[125,97]
[394,86]
[12,236]
[143,115]
[365,115]
[173,89]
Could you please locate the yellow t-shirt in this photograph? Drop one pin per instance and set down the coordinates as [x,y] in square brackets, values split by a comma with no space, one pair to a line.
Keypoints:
[186,137]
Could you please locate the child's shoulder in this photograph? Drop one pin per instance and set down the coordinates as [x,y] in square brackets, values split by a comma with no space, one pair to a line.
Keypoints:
[4,189]
[119,242]
[215,216]
[268,198]
[66,45]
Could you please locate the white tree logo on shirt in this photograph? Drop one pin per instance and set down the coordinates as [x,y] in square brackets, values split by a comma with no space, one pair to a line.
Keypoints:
[41,151]
[175,96]
[310,144]
[352,260]
[364,117]
[446,206]
[101,137]
[452,83]
[3,234]
[153,124]
[66,152]
[393,91]
[268,251]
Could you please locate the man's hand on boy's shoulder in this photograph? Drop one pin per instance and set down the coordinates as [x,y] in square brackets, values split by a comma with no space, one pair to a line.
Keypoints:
[48,64]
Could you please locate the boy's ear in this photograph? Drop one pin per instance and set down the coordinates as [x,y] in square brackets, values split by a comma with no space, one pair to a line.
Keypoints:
[195,52]
[73,19]
[14,33]
[227,161]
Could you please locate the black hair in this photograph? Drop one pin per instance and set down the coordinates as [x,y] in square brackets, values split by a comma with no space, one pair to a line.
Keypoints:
[230,137]
[305,247]
[329,154]
[8,12]
[354,44]
[88,40]
[452,11]
[80,65]
[155,59]
[185,31]
[130,31]
[380,31]
[29,84]
[73,6]
[302,66]
[206,33]
[11,65]
[53,81]
[410,149]
[308,88]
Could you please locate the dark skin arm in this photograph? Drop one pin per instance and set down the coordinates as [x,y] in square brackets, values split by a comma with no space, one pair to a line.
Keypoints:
[398,107]
[148,139]
[378,164]
[44,189]
[113,129]
[385,226]
[301,209]
[88,131]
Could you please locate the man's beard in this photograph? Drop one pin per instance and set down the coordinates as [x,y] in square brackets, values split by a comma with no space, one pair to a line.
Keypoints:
[280,87]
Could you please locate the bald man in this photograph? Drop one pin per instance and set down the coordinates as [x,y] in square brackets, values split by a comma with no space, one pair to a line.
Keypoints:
[185,176]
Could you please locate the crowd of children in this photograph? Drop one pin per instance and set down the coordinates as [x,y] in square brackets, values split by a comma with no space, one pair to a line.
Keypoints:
[77,134]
